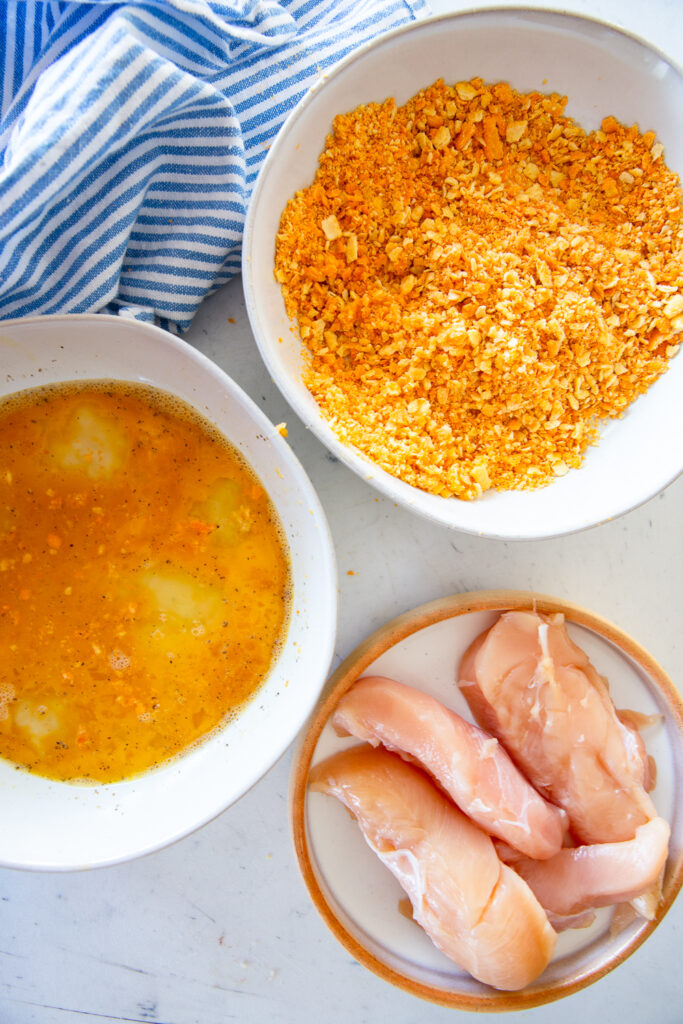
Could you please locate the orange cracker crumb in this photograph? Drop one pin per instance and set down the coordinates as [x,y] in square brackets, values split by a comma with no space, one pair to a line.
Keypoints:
[478,283]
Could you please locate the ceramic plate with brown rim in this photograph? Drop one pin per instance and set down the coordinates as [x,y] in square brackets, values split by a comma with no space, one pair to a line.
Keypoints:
[355,894]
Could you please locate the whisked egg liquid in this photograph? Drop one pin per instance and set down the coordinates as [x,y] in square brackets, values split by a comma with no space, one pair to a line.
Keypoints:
[144,580]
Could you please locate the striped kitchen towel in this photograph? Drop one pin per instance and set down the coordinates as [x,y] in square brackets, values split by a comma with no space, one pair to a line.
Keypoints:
[131,135]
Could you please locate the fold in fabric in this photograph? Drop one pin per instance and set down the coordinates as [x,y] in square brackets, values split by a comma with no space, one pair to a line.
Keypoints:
[131,135]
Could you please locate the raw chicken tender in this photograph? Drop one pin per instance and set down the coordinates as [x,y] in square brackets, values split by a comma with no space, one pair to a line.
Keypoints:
[532,687]
[599,875]
[475,909]
[469,764]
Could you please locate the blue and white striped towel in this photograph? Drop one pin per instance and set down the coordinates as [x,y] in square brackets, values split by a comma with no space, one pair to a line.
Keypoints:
[131,135]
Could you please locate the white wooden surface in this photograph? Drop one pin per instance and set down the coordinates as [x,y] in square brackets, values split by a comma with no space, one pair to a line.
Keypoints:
[219,927]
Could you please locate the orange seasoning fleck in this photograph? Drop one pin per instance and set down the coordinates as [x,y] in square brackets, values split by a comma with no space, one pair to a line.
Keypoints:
[479,282]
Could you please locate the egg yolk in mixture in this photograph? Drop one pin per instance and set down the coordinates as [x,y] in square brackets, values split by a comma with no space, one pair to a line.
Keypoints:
[144,580]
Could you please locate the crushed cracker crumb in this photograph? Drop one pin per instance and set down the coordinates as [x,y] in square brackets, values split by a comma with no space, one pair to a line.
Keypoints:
[479,283]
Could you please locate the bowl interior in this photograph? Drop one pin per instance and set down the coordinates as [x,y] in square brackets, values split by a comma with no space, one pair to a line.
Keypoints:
[58,825]
[355,893]
[602,71]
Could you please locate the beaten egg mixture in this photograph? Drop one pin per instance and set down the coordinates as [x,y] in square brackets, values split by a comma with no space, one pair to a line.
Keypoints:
[144,580]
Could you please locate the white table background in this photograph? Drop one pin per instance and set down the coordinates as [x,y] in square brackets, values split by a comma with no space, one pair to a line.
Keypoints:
[219,927]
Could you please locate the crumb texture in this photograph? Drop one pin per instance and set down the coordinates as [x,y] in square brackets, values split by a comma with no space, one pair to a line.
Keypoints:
[479,282]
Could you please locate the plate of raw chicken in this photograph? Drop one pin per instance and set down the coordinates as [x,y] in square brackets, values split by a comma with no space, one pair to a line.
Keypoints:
[485,805]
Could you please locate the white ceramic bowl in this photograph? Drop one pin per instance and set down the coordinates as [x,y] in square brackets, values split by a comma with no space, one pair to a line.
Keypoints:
[603,71]
[52,825]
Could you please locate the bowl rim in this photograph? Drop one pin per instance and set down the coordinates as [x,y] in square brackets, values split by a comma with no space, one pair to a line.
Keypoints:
[326,639]
[367,652]
[387,484]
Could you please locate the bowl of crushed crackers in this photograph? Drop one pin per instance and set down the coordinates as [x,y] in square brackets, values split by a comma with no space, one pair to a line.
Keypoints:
[463,266]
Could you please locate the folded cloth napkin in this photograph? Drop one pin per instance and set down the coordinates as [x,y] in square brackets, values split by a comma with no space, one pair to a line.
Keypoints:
[131,135]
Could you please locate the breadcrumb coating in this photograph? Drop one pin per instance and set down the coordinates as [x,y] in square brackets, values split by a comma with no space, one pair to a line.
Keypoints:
[479,282]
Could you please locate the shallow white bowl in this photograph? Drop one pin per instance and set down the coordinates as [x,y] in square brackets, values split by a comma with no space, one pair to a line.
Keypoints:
[603,71]
[52,825]
[353,891]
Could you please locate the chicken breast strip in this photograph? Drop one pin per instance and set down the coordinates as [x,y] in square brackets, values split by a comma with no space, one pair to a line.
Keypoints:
[599,875]
[475,909]
[470,765]
[528,684]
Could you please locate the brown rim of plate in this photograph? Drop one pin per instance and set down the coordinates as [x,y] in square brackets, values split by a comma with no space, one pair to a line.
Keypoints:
[352,668]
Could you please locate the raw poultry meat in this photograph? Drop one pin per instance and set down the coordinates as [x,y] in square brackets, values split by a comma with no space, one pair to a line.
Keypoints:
[478,911]
[470,765]
[598,875]
[528,684]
